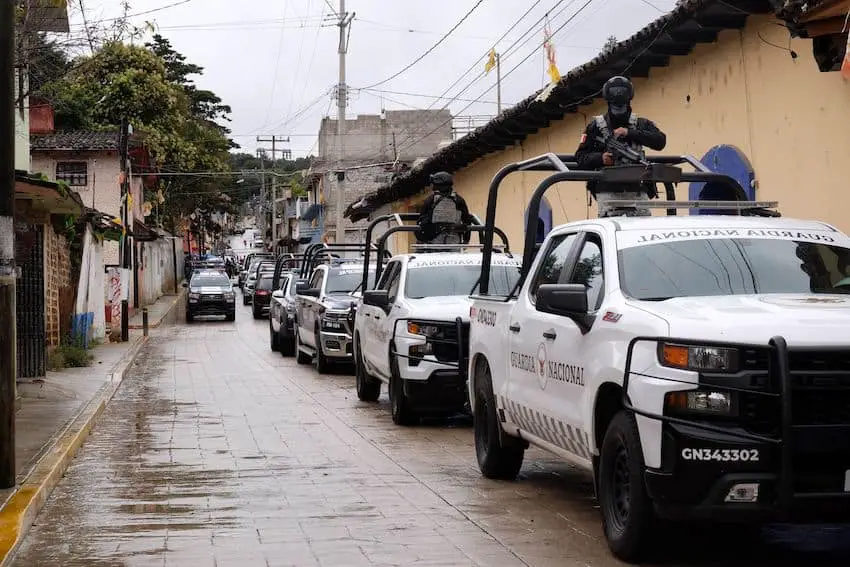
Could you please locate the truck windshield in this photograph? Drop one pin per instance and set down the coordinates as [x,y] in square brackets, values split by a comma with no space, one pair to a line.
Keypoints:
[210,280]
[346,281]
[733,266]
[439,281]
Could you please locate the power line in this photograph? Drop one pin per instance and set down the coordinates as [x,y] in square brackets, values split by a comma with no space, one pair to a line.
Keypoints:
[276,66]
[298,65]
[420,95]
[526,58]
[478,61]
[146,12]
[429,50]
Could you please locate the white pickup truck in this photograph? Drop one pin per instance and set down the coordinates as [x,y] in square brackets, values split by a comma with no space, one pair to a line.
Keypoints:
[410,332]
[698,366]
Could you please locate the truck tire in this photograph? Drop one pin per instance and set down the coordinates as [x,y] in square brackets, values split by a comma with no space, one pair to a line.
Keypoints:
[257,313]
[368,388]
[322,364]
[400,409]
[245,299]
[300,356]
[274,339]
[628,518]
[286,345]
[230,317]
[495,460]
[189,317]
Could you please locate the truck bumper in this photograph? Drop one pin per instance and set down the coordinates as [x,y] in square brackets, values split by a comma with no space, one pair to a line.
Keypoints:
[707,475]
[337,346]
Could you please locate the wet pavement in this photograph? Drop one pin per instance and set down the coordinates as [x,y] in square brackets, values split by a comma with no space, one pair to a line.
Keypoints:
[216,451]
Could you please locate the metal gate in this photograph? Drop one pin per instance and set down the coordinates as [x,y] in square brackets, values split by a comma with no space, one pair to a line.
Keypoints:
[29,257]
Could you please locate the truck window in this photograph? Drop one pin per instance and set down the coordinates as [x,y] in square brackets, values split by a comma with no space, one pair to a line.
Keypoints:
[316,280]
[588,272]
[387,274]
[392,285]
[458,279]
[550,270]
[733,266]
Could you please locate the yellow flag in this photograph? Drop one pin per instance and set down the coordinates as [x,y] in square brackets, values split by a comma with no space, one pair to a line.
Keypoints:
[491,62]
[554,74]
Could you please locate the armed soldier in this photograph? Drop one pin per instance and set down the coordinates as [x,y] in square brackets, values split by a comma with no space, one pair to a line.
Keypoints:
[444,214]
[618,138]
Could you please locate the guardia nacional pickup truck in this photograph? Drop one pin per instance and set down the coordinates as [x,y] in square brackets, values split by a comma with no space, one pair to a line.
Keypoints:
[697,366]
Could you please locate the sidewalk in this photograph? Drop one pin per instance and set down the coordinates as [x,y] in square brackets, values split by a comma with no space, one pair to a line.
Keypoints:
[158,311]
[56,415]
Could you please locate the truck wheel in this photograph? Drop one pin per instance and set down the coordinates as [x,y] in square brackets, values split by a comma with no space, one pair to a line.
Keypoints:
[245,299]
[494,460]
[274,341]
[286,345]
[322,364]
[189,317]
[628,518]
[400,408]
[230,317]
[300,356]
[257,313]
[368,388]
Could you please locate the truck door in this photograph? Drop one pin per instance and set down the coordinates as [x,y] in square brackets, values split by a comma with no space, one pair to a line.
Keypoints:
[307,309]
[372,317]
[546,376]
[384,322]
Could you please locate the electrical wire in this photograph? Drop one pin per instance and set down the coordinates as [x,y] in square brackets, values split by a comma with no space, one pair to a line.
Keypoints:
[276,66]
[430,49]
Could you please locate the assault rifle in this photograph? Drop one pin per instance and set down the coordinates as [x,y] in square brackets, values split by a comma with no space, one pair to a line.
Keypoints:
[622,153]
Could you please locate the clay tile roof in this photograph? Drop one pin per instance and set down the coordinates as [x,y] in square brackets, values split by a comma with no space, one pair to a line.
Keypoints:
[75,140]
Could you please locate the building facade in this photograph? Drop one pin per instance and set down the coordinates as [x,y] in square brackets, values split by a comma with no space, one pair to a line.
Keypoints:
[374,148]
[747,87]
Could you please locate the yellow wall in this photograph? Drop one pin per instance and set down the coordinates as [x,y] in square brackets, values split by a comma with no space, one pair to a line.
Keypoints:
[791,120]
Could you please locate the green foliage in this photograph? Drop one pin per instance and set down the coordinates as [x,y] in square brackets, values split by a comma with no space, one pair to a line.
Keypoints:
[150,87]
[70,354]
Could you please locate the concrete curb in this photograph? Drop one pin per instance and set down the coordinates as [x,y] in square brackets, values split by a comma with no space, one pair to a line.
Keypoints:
[20,510]
[156,323]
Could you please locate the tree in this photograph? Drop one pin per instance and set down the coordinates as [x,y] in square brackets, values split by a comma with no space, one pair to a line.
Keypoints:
[610,44]
[121,81]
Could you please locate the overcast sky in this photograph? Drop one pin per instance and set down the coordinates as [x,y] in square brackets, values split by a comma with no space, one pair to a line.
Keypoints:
[275,61]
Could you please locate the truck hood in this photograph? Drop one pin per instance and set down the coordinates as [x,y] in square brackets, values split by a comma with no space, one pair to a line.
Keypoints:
[442,308]
[803,319]
[339,301]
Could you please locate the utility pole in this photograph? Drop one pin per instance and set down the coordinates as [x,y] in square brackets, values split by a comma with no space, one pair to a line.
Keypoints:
[126,242]
[8,329]
[342,100]
[287,154]
[260,213]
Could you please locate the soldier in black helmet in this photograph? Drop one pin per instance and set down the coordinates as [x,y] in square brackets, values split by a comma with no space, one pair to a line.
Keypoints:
[444,214]
[626,127]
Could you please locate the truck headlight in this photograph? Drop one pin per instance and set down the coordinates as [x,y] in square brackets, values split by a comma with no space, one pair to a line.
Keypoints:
[194,296]
[230,296]
[707,402]
[698,358]
[424,330]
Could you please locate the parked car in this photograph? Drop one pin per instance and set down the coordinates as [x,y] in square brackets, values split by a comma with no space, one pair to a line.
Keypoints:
[210,293]
[282,316]
[262,266]
[262,295]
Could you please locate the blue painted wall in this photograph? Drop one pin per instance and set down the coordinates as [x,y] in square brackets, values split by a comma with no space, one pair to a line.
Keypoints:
[731,161]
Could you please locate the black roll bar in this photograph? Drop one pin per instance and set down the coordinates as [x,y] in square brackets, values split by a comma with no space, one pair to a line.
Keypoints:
[399,218]
[282,262]
[480,229]
[312,250]
[662,170]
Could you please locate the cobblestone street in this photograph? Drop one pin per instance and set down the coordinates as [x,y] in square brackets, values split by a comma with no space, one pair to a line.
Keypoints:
[218,451]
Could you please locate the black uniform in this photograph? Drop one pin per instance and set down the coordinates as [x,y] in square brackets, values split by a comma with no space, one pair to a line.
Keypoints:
[642,132]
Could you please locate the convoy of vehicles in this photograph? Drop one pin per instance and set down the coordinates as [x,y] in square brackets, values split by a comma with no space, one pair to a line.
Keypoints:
[695,366]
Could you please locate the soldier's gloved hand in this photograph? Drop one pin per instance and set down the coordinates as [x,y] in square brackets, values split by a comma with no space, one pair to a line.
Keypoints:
[607,159]
[621,132]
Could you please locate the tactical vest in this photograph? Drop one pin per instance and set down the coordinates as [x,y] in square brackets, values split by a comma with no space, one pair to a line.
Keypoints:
[602,124]
[445,211]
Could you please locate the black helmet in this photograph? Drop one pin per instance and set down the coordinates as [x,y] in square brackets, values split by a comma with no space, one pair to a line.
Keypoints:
[441,180]
[618,92]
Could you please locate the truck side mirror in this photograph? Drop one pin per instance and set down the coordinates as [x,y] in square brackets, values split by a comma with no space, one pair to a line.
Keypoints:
[376,298]
[185,284]
[301,287]
[277,294]
[569,300]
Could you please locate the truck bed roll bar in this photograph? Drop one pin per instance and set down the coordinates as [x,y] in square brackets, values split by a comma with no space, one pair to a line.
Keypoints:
[663,169]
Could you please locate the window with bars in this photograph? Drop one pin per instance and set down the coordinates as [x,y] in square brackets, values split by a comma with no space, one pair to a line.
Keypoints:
[74,173]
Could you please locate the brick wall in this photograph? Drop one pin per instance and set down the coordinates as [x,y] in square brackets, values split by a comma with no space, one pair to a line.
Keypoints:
[58,288]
